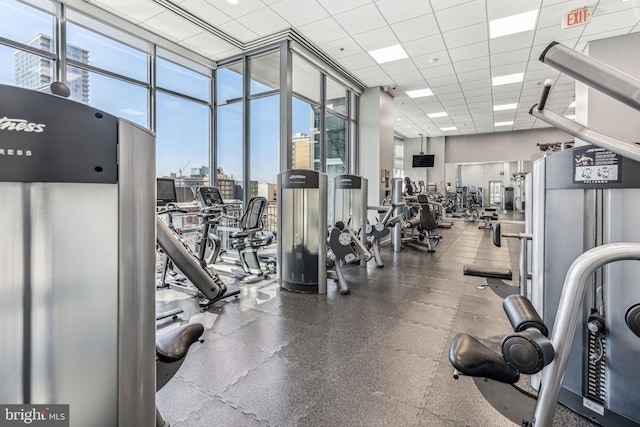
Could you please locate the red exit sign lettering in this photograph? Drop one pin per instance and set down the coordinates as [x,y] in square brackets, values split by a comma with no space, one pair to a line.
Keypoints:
[577,17]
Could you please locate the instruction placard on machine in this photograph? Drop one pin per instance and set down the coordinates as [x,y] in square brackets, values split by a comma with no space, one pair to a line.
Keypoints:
[595,166]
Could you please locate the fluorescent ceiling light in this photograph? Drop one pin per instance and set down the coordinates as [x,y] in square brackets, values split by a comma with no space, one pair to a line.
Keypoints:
[447,129]
[418,93]
[572,105]
[505,107]
[436,115]
[509,78]
[503,123]
[513,24]
[570,116]
[388,54]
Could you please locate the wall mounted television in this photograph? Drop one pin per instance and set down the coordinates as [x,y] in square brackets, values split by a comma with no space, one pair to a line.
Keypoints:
[423,160]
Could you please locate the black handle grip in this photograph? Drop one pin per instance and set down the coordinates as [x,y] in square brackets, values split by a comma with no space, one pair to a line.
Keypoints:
[546,88]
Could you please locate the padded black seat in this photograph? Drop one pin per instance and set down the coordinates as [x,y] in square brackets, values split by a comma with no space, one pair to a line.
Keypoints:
[172,345]
[470,357]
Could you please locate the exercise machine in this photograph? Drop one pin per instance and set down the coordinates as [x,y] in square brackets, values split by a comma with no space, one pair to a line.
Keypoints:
[595,316]
[419,224]
[302,231]
[208,285]
[172,347]
[77,191]
[246,241]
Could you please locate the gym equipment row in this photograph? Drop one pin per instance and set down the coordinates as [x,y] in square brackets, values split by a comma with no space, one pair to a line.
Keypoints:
[310,252]
[589,363]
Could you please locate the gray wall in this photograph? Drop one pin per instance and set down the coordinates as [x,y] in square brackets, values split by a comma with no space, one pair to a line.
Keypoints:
[500,146]
[434,175]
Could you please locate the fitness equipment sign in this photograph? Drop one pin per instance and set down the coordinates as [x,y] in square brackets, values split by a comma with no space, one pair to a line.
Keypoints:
[595,166]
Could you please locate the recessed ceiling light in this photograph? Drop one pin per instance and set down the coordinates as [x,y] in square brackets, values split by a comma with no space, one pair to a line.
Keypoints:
[513,24]
[572,105]
[505,107]
[503,123]
[433,60]
[233,2]
[448,129]
[570,116]
[436,115]
[388,54]
[418,93]
[509,78]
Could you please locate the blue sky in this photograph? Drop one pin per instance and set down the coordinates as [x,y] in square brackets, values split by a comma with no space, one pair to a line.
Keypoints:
[181,125]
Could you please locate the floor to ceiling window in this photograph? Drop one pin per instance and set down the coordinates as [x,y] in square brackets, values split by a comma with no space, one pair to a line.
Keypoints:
[32,29]
[107,70]
[229,131]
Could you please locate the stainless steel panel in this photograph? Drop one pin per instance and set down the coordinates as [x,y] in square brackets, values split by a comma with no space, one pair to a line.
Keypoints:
[74,276]
[536,203]
[136,276]
[620,292]
[564,230]
[322,227]
[12,272]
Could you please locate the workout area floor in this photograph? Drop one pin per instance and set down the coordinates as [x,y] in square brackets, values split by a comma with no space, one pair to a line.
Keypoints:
[376,357]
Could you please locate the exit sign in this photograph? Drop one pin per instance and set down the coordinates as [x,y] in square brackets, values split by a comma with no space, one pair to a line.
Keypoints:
[577,17]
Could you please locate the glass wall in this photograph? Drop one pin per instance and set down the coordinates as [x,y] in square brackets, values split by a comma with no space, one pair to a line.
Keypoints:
[229,131]
[26,27]
[120,71]
[183,129]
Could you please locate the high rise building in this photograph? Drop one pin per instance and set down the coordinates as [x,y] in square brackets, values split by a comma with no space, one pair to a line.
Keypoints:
[35,72]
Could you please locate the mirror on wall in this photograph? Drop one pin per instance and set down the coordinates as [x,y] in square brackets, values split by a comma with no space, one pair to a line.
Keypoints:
[493,184]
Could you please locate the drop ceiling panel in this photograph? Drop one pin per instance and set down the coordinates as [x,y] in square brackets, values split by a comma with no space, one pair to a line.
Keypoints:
[427,61]
[400,66]
[239,31]
[242,8]
[172,26]
[264,22]
[511,57]
[361,19]
[208,45]
[474,75]
[471,51]
[205,11]
[471,65]
[369,72]
[133,11]
[465,36]
[358,61]
[511,42]
[425,45]
[323,31]
[461,16]
[380,81]
[476,84]
[408,77]
[501,8]
[443,81]
[416,28]
[544,36]
[376,39]
[341,48]
[339,6]
[402,10]
[432,72]
[604,23]
[300,12]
